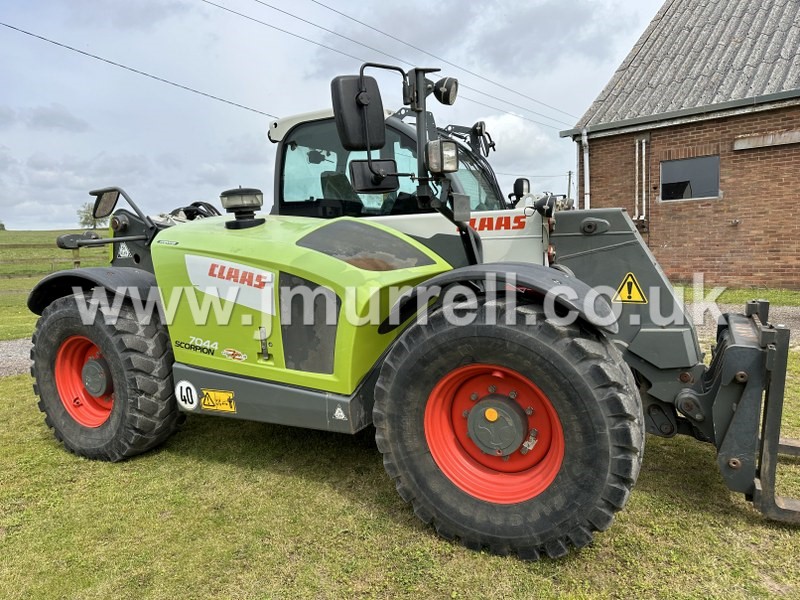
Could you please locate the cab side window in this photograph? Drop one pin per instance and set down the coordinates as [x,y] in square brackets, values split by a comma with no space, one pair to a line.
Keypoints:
[310,153]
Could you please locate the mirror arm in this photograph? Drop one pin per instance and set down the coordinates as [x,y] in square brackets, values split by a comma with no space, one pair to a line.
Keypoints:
[147,220]
[112,240]
[443,208]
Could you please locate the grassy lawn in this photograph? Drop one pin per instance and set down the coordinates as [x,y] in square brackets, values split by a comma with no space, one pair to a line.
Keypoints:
[237,510]
[740,296]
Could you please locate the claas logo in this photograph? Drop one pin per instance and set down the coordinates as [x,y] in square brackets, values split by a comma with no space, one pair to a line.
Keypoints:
[240,276]
[504,223]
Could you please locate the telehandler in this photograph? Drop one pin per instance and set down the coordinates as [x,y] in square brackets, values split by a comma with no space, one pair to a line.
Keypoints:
[510,356]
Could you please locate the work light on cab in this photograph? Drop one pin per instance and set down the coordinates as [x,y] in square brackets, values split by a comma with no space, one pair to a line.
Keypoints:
[441,156]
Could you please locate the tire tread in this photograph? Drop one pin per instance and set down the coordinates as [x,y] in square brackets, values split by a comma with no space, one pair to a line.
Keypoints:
[603,367]
[146,356]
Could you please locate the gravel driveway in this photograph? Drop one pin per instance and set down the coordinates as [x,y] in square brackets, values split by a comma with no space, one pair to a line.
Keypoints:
[16,357]
[16,353]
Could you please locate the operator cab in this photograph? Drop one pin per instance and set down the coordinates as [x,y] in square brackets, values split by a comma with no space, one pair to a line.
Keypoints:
[313,171]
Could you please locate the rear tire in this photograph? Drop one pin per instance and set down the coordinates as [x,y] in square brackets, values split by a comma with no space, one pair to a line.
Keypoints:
[129,405]
[452,402]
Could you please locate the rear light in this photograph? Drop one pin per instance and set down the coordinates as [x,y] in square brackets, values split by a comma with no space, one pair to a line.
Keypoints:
[551,254]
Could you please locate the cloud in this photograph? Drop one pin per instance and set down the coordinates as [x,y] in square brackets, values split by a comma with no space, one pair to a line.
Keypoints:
[119,167]
[247,149]
[8,116]
[527,37]
[82,173]
[508,38]
[39,213]
[216,175]
[426,33]
[7,161]
[44,172]
[526,150]
[520,144]
[168,160]
[128,15]
[54,117]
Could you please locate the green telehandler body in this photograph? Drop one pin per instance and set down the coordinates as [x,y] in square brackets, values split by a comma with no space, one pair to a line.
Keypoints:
[510,352]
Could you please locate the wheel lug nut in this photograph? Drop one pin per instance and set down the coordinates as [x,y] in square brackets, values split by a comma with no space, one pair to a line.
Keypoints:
[513,394]
[473,396]
[465,414]
[529,411]
[492,389]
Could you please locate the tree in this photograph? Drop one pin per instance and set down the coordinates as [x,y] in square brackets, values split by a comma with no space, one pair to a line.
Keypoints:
[85,218]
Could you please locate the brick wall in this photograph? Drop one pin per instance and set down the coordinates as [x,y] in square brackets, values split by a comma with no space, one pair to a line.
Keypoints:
[760,189]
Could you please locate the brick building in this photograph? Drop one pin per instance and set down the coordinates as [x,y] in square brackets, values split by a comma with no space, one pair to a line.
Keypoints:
[697,135]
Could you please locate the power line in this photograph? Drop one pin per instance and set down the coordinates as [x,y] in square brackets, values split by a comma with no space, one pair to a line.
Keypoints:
[418,49]
[307,22]
[393,57]
[507,112]
[358,58]
[138,72]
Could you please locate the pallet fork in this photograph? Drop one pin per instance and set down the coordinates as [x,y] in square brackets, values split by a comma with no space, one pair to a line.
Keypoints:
[775,340]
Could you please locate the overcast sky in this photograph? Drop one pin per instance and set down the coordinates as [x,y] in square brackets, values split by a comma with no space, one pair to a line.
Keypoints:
[69,123]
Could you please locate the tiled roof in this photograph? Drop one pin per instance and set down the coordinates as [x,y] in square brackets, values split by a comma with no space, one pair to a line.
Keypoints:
[698,53]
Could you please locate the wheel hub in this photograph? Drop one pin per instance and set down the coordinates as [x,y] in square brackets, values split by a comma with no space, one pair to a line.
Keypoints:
[494,433]
[96,377]
[497,425]
[83,380]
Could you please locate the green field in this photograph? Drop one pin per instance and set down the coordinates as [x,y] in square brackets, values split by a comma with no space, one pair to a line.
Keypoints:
[26,257]
[230,509]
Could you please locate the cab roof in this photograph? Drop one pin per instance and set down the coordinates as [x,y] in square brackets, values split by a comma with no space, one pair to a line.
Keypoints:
[279,127]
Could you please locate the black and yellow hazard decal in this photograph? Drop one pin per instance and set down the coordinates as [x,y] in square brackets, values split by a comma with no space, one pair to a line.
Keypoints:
[629,291]
[218,400]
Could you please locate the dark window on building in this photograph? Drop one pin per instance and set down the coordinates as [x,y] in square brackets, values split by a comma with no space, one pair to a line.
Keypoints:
[690,178]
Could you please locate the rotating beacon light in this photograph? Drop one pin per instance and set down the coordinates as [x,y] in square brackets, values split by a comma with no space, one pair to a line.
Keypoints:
[242,202]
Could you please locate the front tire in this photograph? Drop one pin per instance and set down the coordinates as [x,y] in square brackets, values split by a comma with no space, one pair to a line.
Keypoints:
[105,387]
[522,438]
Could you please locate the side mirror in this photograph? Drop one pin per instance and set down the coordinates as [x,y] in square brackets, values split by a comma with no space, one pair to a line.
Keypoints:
[105,202]
[358,110]
[365,181]
[522,187]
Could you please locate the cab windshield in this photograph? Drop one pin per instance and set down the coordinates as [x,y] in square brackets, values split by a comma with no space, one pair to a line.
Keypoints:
[315,176]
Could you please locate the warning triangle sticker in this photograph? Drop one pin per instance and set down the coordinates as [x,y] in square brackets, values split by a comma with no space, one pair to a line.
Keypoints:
[629,291]
[207,401]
